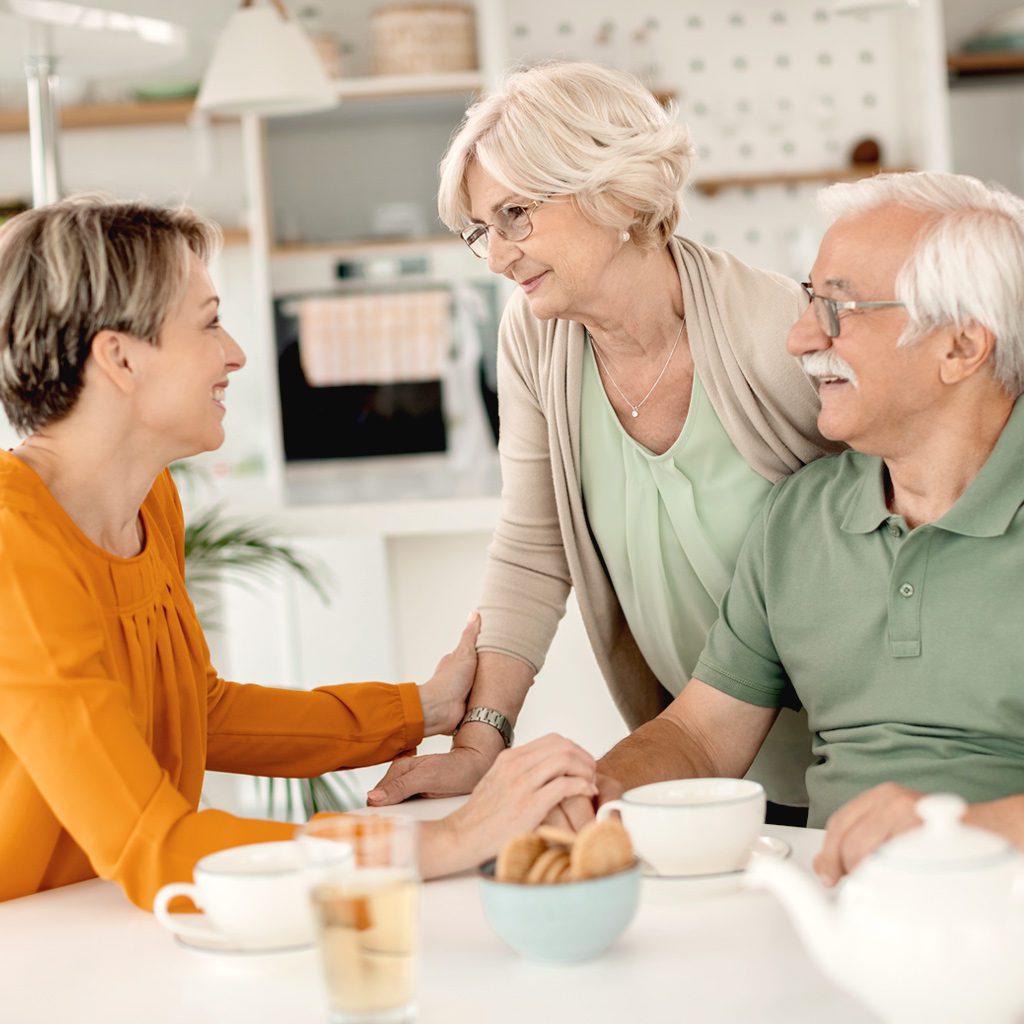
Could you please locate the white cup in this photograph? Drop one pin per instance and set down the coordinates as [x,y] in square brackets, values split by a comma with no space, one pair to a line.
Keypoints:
[692,826]
[255,896]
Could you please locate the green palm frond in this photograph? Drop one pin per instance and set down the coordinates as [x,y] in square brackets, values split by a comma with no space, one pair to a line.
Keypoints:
[216,550]
[334,792]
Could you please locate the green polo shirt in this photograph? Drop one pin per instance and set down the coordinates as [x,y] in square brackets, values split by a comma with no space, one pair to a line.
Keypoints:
[905,647]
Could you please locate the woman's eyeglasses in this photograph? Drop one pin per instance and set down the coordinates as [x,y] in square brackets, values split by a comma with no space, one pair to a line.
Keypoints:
[827,310]
[512,222]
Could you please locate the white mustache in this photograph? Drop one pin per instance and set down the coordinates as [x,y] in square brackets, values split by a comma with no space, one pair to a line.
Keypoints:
[827,364]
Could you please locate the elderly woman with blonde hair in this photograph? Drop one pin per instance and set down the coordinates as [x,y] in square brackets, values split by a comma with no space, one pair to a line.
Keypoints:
[647,404]
[114,363]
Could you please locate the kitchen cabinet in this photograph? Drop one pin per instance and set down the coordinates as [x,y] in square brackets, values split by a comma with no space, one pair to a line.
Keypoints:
[365,171]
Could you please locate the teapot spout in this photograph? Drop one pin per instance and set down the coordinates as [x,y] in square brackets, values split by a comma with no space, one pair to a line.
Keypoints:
[814,918]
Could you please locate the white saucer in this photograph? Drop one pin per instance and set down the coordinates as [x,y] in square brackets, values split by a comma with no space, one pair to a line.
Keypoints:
[764,847]
[213,941]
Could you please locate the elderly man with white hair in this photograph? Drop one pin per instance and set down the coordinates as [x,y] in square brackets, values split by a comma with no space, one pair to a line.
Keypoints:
[882,588]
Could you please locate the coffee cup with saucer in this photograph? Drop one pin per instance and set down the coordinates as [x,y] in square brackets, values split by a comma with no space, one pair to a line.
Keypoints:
[696,828]
[254,899]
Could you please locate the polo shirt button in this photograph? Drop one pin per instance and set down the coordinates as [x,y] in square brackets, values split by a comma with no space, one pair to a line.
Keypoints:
[907,589]
[895,530]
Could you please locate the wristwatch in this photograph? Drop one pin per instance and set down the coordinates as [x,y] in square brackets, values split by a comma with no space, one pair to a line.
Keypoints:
[491,717]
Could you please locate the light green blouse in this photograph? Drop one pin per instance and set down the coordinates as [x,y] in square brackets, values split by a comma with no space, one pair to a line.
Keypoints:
[669,528]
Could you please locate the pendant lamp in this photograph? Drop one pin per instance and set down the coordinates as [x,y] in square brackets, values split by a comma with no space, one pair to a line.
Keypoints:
[263,63]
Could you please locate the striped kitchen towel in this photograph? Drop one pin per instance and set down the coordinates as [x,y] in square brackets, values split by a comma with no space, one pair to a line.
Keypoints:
[375,339]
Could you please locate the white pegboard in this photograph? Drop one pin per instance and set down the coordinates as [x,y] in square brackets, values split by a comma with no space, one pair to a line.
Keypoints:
[765,87]
[780,86]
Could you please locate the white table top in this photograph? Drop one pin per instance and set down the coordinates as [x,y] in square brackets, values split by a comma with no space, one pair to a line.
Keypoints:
[84,954]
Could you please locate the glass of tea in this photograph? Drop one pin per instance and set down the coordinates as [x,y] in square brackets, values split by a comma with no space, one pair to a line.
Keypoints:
[364,884]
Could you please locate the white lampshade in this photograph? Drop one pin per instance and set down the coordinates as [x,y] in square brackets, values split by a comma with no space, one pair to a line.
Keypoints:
[263,63]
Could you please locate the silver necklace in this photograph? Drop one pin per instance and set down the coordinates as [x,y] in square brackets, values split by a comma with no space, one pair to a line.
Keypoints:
[634,409]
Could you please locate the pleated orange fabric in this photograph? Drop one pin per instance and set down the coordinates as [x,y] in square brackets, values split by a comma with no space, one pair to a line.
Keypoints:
[110,711]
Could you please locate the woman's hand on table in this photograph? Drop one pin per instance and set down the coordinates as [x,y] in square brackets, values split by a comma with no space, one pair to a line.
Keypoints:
[430,775]
[443,696]
[515,796]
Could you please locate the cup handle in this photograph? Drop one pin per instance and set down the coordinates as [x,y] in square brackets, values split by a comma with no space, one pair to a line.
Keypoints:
[170,921]
[605,809]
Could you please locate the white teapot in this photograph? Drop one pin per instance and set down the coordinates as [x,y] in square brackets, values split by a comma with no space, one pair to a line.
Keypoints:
[930,927]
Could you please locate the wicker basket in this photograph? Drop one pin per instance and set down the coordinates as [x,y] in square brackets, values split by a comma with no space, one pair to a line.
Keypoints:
[411,39]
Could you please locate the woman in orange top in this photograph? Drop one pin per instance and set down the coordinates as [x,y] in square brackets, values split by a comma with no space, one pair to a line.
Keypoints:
[114,364]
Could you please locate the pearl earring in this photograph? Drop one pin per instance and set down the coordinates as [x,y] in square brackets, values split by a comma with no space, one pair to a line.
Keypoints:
[624,236]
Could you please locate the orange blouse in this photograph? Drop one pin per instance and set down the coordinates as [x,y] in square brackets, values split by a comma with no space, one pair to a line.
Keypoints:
[110,710]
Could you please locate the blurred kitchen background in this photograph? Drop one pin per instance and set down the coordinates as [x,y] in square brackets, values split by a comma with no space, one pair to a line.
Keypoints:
[362,430]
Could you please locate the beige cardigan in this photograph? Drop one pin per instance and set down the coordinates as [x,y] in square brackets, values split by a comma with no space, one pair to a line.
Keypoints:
[737,319]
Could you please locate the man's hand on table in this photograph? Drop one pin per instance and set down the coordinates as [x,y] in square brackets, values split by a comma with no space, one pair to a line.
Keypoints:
[515,796]
[862,825]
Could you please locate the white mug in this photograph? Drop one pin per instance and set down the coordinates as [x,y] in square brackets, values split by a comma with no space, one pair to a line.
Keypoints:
[692,826]
[255,896]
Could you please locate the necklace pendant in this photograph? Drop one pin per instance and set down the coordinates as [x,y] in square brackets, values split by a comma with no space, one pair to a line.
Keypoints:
[635,413]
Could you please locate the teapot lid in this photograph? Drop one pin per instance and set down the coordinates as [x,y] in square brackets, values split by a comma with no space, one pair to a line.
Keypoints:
[943,839]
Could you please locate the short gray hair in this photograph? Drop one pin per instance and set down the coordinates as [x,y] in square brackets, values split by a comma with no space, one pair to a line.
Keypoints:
[74,268]
[967,264]
[576,129]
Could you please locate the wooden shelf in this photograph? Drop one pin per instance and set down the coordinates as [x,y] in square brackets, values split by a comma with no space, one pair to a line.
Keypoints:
[712,186]
[112,115]
[235,235]
[404,86]
[107,115]
[985,62]
[357,245]
[409,86]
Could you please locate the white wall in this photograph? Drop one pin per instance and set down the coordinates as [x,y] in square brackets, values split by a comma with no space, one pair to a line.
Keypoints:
[434,584]
[196,165]
[988,131]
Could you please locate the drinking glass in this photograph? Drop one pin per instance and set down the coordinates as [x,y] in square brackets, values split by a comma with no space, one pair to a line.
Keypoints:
[364,886]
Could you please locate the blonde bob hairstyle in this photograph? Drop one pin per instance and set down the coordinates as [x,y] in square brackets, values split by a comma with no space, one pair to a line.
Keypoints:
[74,268]
[577,130]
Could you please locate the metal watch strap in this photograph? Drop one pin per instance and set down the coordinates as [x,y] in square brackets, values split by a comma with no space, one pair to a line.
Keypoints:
[491,717]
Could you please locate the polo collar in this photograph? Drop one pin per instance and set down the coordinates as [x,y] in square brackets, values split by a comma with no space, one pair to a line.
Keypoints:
[985,509]
[995,495]
[867,509]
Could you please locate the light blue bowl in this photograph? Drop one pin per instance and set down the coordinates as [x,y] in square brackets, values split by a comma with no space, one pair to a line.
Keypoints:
[562,923]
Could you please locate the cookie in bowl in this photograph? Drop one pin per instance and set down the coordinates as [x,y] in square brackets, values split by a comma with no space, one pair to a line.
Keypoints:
[559,897]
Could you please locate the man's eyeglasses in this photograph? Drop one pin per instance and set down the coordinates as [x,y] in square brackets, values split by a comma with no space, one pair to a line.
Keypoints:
[512,222]
[827,310]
